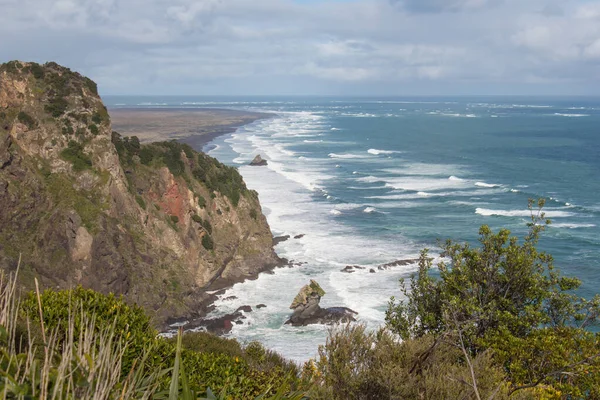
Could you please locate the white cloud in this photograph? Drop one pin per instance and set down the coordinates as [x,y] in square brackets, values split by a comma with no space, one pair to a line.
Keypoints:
[209,45]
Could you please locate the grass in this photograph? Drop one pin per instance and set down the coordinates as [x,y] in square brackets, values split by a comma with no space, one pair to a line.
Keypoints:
[79,344]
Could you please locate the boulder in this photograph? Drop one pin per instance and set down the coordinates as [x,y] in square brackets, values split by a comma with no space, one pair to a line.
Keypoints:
[258,161]
[307,310]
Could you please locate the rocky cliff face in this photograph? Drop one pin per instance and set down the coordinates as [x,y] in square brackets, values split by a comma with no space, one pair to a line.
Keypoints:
[160,223]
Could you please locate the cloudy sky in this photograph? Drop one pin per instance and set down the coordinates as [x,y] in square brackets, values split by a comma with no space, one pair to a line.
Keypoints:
[338,47]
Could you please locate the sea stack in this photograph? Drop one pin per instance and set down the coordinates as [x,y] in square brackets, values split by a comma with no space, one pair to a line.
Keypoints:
[258,161]
[307,310]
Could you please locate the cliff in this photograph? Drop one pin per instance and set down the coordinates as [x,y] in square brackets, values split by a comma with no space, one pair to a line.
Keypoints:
[159,223]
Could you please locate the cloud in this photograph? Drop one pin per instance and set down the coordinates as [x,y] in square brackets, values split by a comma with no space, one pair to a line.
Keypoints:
[317,46]
[436,6]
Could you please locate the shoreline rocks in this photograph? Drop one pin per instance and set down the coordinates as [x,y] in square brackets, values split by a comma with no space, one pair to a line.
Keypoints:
[258,161]
[307,310]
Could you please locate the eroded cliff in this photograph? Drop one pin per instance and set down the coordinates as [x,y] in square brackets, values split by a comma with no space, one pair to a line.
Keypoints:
[159,223]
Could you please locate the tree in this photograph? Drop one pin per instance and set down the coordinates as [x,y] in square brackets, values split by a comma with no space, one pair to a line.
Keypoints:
[506,296]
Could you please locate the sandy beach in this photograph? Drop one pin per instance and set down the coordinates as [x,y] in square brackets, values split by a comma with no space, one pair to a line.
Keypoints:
[194,126]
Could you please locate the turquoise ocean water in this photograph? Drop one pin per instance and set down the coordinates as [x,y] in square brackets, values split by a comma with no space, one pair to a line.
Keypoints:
[373,180]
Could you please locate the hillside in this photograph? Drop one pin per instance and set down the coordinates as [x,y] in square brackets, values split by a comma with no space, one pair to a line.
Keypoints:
[159,223]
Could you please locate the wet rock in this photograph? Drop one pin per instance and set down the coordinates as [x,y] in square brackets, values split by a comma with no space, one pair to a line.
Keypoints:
[258,161]
[398,263]
[279,239]
[244,309]
[307,310]
[372,271]
[230,298]
[351,268]
[299,236]
[261,306]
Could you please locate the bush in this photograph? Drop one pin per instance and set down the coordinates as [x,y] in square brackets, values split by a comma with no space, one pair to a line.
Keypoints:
[127,323]
[197,218]
[94,129]
[207,226]
[207,242]
[356,364]
[36,70]
[201,201]
[525,311]
[174,219]
[26,120]
[253,214]
[74,154]
[140,201]
[56,106]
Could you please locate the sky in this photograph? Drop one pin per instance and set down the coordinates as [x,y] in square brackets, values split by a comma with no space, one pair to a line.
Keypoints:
[313,47]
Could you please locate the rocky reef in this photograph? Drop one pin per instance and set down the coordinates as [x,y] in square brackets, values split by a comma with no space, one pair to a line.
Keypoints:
[307,310]
[160,223]
[258,161]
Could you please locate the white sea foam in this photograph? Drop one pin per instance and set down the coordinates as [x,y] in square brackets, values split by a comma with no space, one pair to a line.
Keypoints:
[550,213]
[423,194]
[335,212]
[571,115]
[378,152]
[369,210]
[486,185]
[572,226]
[345,156]
[455,178]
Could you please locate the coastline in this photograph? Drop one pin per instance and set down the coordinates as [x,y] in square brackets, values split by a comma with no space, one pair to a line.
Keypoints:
[196,127]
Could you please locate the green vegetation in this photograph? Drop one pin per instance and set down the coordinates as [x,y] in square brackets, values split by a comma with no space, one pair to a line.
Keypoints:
[79,344]
[75,155]
[174,219]
[26,120]
[207,242]
[197,218]
[500,322]
[94,129]
[253,214]
[219,177]
[201,202]
[140,200]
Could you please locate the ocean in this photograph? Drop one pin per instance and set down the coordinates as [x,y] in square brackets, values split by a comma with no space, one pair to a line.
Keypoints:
[369,181]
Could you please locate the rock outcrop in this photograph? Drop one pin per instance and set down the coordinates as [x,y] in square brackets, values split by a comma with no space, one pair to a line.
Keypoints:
[158,223]
[258,161]
[307,310]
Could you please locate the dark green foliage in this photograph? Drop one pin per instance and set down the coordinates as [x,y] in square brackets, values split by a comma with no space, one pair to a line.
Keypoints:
[74,153]
[97,118]
[140,201]
[201,202]
[174,219]
[127,147]
[94,129]
[206,225]
[207,242]
[197,218]
[67,128]
[36,70]
[56,106]
[91,85]
[253,214]
[26,119]
[12,67]
[506,296]
[220,177]
[356,364]
[129,322]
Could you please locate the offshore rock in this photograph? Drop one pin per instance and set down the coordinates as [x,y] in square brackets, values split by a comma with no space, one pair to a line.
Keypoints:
[307,310]
[258,161]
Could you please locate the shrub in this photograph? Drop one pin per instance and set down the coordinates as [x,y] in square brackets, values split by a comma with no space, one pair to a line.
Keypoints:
[94,129]
[74,154]
[207,242]
[56,106]
[97,118]
[36,70]
[174,219]
[140,201]
[197,218]
[201,201]
[26,120]
[62,308]
[253,214]
[207,226]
